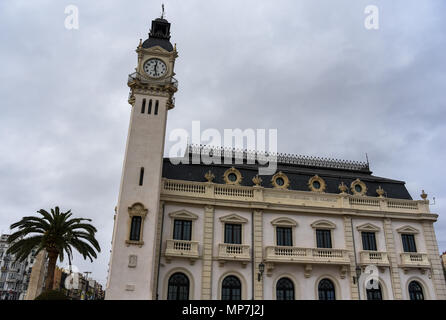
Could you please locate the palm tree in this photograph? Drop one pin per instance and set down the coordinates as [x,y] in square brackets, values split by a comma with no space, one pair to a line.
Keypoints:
[56,233]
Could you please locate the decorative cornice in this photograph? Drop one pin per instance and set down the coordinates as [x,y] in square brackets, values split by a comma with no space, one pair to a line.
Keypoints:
[407,229]
[323,224]
[183,214]
[283,221]
[306,161]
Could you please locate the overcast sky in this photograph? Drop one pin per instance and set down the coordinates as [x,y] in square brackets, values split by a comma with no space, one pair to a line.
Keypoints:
[308,68]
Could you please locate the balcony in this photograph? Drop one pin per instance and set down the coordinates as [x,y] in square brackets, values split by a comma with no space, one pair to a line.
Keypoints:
[139,78]
[233,252]
[181,249]
[307,255]
[414,260]
[377,258]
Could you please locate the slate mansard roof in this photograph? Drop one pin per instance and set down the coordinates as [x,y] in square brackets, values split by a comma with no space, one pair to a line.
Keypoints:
[298,170]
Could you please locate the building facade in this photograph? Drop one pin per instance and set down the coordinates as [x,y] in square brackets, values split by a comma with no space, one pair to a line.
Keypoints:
[14,275]
[316,229]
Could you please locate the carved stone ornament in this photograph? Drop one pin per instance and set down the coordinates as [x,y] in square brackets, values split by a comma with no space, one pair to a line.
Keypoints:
[423,195]
[358,184]
[257,181]
[209,176]
[133,259]
[343,188]
[232,176]
[316,184]
[137,209]
[380,191]
[280,181]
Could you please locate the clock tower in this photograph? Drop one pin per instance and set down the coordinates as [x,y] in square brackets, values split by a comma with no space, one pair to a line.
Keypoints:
[152,86]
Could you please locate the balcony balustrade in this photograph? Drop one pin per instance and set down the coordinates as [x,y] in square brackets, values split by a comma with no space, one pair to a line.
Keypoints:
[307,255]
[233,252]
[414,260]
[181,249]
[374,258]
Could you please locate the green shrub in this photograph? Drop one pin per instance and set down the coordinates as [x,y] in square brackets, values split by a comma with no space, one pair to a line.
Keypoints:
[52,295]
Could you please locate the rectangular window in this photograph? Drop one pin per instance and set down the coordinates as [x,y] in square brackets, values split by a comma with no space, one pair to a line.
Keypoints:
[141,176]
[368,241]
[182,230]
[233,233]
[156,107]
[135,228]
[409,243]
[143,107]
[150,107]
[323,238]
[284,236]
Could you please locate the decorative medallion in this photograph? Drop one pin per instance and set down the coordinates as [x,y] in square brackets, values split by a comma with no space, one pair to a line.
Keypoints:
[209,176]
[257,181]
[380,191]
[280,181]
[343,188]
[358,188]
[232,176]
[317,184]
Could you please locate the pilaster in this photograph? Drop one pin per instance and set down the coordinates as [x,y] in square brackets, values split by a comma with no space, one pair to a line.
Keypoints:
[434,258]
[158,232]
[351,253]
[258,252]
[208,245]
[391,253]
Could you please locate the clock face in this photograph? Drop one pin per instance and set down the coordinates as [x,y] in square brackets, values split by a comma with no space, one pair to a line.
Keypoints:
[155,68]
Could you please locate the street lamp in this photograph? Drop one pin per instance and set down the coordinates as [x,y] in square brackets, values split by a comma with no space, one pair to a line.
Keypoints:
[358,274]
[261,270]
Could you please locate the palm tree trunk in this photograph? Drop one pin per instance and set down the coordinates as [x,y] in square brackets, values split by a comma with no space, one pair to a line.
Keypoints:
[52,259]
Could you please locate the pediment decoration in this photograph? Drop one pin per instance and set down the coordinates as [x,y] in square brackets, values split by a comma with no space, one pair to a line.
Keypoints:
[368,227]
[323,224]
[156,49]
[183,214]
[407,229]
[233,218]
[287,222]
[138,209]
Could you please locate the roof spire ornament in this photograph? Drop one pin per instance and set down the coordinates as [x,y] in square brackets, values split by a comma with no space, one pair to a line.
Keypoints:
[162,14]
[423,195]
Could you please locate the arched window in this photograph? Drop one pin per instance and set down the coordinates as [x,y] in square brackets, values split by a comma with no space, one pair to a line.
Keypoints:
[415,291]
[374,291]
[143,107]
[285,289]
[135,228]
[326,290]
[231,288]
[178,287]
[150,107]
[156,107]
[141,176]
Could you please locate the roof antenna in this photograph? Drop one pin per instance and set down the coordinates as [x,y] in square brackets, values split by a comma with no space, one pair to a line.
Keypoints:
[162,14]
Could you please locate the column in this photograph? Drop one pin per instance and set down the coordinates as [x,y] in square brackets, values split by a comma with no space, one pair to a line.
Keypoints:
[434,258]
[208,244]
[158,245]
[258,252]
[351,253]
[391,253]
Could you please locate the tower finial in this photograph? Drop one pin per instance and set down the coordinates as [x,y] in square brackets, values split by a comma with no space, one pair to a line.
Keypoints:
[162,14]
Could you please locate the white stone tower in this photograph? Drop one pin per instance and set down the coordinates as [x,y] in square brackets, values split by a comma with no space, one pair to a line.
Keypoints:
[132,262]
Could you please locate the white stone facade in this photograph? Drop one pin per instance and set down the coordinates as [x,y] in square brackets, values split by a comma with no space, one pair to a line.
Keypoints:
[146,253]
